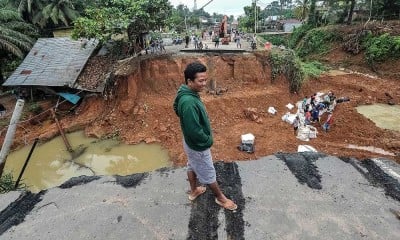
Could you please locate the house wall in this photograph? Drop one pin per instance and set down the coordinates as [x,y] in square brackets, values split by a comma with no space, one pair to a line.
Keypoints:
[288,27]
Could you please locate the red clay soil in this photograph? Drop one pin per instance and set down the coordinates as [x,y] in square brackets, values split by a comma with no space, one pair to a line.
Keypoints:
[139,108]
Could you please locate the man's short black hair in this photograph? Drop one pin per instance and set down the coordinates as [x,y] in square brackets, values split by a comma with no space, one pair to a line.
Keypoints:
[192,69]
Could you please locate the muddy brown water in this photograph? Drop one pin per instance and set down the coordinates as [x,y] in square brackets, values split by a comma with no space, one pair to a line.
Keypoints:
[383,115]
[51,164]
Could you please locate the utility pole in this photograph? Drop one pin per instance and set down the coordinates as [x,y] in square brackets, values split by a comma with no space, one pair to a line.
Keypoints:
[194,6]
[12,127]
[255,16]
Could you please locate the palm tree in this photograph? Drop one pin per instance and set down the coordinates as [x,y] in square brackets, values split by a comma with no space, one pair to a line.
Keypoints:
[43,12]
[14,35]
[55,12]
[312,15]
[28,8]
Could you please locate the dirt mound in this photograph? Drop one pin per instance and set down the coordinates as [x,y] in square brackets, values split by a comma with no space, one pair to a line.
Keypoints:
[140,109]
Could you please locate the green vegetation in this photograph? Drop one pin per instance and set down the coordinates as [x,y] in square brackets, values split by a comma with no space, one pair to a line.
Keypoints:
[298,34]
[380,48]
[15,37]
[276,40]
[7,183]
[316,41]
[107,18]
[35,108]
[312,69]
[287,63]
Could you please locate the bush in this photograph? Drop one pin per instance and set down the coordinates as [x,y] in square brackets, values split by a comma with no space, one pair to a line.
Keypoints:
[312,69]
[276,39]
[35,108]
[316,41]
[7,183]
[287,63]
[298,34]
[381,47]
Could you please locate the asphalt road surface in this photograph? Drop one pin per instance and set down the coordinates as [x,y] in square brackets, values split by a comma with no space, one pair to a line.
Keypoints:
[286,196]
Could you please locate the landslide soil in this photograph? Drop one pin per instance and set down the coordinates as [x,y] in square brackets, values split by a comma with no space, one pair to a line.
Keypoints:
[138,107]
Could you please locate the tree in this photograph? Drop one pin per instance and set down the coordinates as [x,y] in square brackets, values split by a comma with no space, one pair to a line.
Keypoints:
[312,20]
[102,20]
[177,19]
[55,12]
[386,9]
[302,9]
[15,34]
[247,22]
[351,11]
[28,8]
[133,17]
[50,13]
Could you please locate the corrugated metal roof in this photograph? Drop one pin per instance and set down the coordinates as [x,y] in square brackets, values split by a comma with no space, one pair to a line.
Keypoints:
[53,62]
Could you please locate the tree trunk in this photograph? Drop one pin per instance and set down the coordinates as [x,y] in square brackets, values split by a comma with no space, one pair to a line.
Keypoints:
[311,16]
[304,7]
[345,15]
[1,73]
[351,11]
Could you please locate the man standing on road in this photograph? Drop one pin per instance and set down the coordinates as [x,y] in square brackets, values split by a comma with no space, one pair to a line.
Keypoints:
[187,41]
[238,44]
[197,135]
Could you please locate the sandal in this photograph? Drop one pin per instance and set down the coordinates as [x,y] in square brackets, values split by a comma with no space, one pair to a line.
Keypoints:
[229,204]
[193,197]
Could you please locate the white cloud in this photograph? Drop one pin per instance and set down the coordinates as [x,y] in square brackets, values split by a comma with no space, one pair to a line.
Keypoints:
[231,7]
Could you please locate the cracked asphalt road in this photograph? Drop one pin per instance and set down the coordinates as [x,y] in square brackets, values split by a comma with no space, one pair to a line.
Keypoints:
[323,197]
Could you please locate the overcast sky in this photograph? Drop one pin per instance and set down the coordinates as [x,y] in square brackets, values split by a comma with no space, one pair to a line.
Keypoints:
[228,7]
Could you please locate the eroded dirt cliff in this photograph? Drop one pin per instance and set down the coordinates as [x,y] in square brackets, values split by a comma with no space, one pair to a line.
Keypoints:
[138,107]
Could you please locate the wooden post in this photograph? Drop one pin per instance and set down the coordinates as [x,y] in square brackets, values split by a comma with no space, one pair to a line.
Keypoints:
[26,163]
[10,133]
[69,148]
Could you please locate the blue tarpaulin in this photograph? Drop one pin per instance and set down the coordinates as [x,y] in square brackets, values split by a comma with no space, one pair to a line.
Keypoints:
[73,98]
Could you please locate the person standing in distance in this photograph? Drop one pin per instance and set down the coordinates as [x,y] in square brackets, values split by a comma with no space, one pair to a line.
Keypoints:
[197,135]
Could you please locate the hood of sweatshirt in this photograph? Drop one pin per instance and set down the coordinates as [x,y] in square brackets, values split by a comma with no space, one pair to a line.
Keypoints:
[183,91]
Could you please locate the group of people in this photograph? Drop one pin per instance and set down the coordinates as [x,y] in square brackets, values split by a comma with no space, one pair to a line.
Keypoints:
[155,46]
[196,41]
[313,108]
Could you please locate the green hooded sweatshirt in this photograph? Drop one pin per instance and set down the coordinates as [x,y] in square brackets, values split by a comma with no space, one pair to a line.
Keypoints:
[194,120]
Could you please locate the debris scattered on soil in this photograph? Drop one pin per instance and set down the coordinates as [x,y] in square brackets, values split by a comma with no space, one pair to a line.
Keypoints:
[75,181]
[148,83]
[95,72]
[15,213]
[251,113]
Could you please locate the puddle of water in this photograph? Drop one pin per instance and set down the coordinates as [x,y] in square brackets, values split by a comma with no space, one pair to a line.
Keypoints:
[51,164]
[383,115]
[371,149]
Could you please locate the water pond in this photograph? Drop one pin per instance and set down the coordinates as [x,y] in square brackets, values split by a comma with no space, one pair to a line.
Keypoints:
[51,164]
